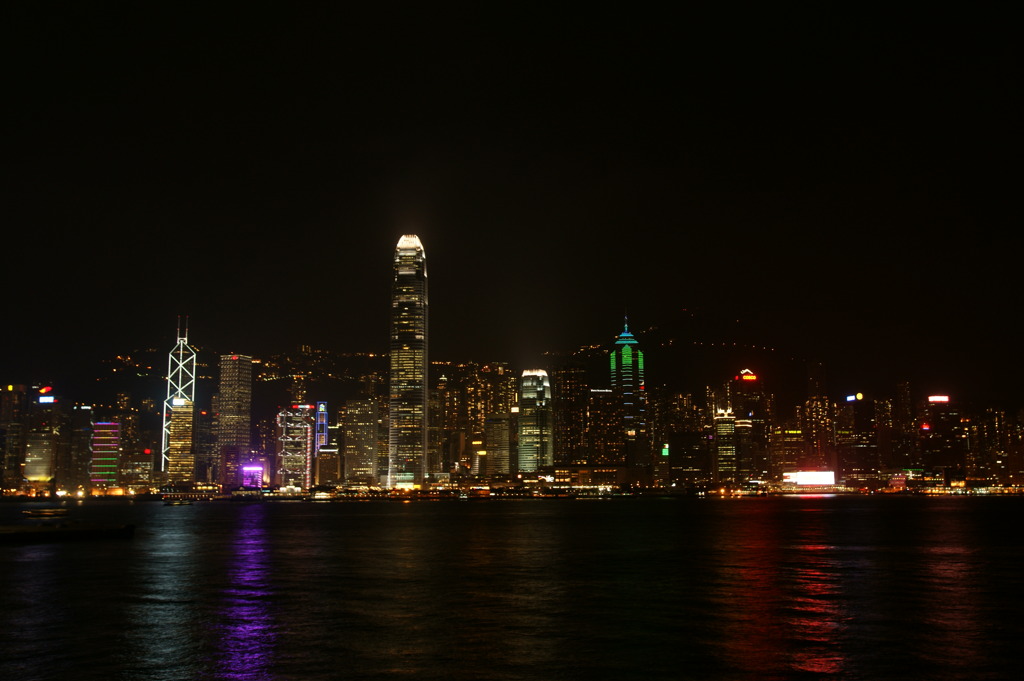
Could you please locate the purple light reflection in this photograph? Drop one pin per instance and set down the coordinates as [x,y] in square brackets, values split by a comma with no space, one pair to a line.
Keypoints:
[248,634]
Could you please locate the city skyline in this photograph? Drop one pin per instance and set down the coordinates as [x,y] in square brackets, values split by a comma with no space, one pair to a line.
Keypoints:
[734,433]
[831,187]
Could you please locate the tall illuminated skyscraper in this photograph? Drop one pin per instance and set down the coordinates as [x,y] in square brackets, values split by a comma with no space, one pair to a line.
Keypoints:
[234,416]
[295,446]
[407,446]
[178,453]
[359,425]
[725,446]
[181,456]
[627,378]
[535,450]
[105,450]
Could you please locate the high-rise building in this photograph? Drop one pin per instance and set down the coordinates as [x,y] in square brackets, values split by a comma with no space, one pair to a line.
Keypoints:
[295,428]
[857,431]
[464,396]
[323,427]
[603,434]
[106,448]
[47,441]
[680,425]
[535,450]
[752,408]
[725,446]
[944,436]
[359,428]
[179,433]
[569,394]
[817,425]
[903,452]
[498,430]
[627,375]
[788,449]
[234,417]
[41,457]
[73,471]
[328,466]
[14,403]
[178,411]
[408,403]
[627,380]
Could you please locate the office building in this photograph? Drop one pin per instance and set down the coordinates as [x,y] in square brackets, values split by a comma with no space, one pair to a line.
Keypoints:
[627,382]
[726,467]
[106,450]
[604,435]
[179,433]
[407,413]
[234,417]
[752,408]
[178,414]
[14,405]
[498,441]
[569,393]
[295,445]
[535,433]
[359,428]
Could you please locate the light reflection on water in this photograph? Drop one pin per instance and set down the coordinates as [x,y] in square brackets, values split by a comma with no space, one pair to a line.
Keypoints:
[163,600]
[627,589]
[247,637]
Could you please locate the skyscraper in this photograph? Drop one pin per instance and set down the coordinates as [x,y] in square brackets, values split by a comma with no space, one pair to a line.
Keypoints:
[234,417]
[498,431]
[106,451]
[179,424]
[178,411]
[752,407]
[407,447]
[14,404]
[627,378]
[569,394]
[725,446]
[359,425]
[295,444]
[534,421]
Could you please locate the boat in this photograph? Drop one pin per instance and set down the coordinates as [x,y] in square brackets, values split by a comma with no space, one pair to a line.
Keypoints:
[59,532]
[177,502]
[45,512]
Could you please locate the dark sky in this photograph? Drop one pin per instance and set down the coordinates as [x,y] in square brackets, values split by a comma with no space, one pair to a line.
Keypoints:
[836,185]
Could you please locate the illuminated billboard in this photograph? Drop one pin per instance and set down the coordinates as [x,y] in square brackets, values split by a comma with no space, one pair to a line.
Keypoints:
[809,478]
[252,476]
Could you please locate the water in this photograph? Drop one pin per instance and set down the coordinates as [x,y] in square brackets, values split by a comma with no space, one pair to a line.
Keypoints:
[761,588]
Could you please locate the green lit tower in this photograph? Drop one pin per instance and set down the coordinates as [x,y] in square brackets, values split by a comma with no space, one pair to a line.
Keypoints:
[627,379]
[408,404]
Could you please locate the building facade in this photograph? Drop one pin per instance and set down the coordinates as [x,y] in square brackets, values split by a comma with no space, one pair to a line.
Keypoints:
[295,445]
[106,451]
[407,413]
[627,381]
[535,432]
[359,434]
[234,417]
[178,435]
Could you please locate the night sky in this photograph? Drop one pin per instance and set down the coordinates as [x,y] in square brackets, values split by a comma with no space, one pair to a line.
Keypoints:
[836,185]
